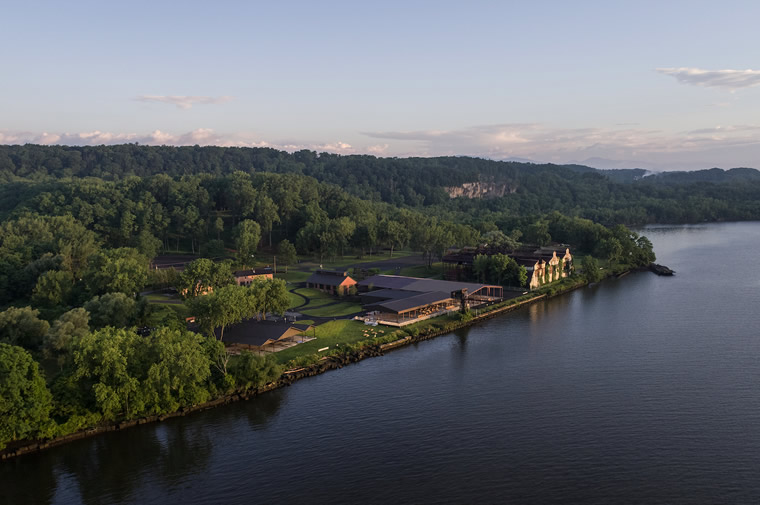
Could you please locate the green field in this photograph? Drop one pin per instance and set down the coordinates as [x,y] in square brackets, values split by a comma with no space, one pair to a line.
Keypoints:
[329,334]
[294,300]
[293,276]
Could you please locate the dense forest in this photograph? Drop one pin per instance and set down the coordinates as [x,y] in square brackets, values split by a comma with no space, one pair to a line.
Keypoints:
[617,196]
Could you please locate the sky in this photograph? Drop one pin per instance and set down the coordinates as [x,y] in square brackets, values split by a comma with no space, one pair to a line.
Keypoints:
[660,85]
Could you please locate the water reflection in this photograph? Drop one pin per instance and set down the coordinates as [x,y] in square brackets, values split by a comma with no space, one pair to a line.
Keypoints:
[262,409]
[104,467]
[27,483]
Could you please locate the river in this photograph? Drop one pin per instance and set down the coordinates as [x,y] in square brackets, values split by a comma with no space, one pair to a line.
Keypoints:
[642,389]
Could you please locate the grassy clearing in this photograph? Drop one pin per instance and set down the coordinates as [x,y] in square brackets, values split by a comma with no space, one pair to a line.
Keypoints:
[352,259]
[294,276]
[337,310]
[295,300]
[435,272]
[160,297]
[344,331]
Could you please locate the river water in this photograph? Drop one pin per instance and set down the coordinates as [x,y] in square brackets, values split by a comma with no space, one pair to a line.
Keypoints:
[642,389]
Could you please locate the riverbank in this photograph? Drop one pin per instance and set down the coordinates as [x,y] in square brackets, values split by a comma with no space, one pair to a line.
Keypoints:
[337,359]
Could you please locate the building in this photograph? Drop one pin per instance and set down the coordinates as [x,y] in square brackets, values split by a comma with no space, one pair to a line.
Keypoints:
[330,281]
[259,336]
[543,264]
[246,277]
[397,300]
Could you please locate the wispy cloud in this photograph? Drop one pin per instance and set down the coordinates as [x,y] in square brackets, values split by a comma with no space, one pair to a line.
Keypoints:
[182,101]
[727,79]
[724,146]
[200,136]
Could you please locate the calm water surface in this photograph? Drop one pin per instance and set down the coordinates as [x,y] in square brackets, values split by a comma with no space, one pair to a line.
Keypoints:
[637,390]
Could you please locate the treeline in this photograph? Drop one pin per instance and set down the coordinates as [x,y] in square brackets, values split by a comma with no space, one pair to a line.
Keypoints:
[114,374]
[608,197]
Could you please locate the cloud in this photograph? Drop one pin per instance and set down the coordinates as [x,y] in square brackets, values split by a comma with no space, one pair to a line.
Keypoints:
[200,136]
[723,146]
[182,101]
[727,79]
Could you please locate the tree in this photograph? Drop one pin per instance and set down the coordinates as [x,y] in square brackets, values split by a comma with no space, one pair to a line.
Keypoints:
[225,306]
[272,296]
[22,327]
[25,402]
[112,309]
[122,270]
[247,239]
[53,288]
[611,248]
[266,214]
[480,267]
[591,269]
[538,233]
[394,234]
[69,326]
[219,227]
[179,368]
[250,370]
[287,254]
[147,244]
[105,368]
[342,229]
[203,275]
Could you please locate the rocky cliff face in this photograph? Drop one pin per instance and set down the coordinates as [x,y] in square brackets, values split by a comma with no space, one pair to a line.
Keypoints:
[481,190]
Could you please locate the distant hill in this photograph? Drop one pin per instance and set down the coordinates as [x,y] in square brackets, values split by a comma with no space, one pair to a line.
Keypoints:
[450,185]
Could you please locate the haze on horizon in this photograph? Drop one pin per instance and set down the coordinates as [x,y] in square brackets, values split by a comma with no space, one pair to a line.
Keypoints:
[654,85]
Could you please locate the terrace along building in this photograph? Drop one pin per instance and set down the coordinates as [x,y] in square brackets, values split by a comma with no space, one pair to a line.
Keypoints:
[396,300]
[330,281]
[246,277]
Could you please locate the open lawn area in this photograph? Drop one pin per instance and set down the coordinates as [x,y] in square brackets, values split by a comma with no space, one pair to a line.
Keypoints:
[330,334]
[351,259]
[436,272]
[293,276]
[294,300]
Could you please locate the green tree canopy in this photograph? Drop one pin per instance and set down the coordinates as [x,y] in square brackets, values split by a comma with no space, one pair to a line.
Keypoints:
[247,238]
[122,270]
[286,254]
[25,402]
[22,327]
[112,309]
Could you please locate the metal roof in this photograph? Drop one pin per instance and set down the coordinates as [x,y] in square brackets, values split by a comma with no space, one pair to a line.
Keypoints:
[419,285]
[253,332]
[412,302]
[327,280]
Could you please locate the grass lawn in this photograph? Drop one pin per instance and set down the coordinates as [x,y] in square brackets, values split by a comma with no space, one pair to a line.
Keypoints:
[293,276]
[436,272]
[328,335]
[159,297]
[337,310]
[352,259]
[294,300]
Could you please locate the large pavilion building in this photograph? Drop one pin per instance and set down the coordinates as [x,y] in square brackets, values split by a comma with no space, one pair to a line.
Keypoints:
[397,300]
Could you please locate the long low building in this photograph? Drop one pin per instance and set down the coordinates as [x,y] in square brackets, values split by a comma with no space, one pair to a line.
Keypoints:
[399,300]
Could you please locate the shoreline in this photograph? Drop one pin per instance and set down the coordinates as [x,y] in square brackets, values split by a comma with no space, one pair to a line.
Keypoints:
[287,378]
